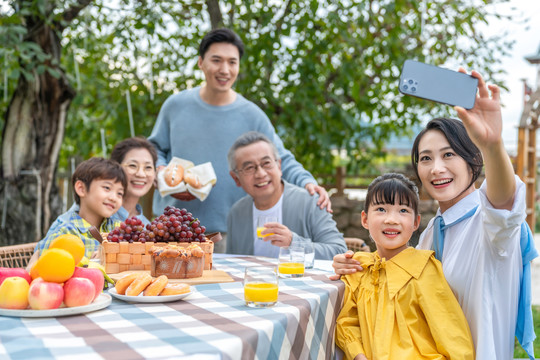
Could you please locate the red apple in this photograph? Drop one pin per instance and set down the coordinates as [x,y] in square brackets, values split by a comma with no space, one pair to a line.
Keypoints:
[92,274]
[78,292]
[14,293]
[38,279]
[45,295]
[11,272]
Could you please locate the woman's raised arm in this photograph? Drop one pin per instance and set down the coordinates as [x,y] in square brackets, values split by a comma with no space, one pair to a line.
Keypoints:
[484,125]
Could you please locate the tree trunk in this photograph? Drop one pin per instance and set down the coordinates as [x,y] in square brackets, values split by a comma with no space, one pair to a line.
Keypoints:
[31,140]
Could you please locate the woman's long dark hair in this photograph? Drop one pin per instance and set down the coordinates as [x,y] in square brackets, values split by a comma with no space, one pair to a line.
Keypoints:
[459,140]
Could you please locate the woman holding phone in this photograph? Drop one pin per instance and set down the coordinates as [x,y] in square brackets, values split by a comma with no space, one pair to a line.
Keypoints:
[478,234]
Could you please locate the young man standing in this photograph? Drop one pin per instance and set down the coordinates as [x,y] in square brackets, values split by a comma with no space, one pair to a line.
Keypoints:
[200,125]
[255,166]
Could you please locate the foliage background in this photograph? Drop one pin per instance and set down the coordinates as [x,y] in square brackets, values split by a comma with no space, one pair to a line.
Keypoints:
[326,72]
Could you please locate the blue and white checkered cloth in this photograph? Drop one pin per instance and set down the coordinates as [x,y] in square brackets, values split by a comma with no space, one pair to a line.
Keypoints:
[213,322]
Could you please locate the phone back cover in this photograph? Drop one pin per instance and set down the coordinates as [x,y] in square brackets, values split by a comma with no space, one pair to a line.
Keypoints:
[438,84]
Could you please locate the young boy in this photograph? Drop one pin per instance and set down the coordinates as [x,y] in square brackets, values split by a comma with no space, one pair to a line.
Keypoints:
[98,186]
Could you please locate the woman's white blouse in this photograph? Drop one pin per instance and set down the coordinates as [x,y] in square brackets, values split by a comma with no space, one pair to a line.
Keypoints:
[482,263]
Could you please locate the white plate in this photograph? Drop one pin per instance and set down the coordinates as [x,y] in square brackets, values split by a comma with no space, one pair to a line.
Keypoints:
[148,299]
[101,302]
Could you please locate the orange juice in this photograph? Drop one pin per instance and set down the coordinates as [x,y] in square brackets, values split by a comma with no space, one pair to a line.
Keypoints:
[261,292]
[291,268]
[259,230]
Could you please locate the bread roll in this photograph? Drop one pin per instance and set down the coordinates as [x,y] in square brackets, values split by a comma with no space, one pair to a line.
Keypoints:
[122,284]
[192,180]
[175,289]
[157,285]
[174,174]
[139,284]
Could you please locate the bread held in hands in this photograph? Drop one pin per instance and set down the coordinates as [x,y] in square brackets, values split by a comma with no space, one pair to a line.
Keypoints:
[193,180]
[173,174]
[196,180]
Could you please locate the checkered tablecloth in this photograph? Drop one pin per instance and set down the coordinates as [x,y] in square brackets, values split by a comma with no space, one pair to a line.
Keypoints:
[212,323]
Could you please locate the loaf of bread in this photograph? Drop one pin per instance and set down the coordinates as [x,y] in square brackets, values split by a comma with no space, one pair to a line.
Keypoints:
[174,174]
[193,180]
[177,262]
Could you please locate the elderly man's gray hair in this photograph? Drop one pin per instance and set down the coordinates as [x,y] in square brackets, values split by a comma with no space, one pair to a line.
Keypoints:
[246,139]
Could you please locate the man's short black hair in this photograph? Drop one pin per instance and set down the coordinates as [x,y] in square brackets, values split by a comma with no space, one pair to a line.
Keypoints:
[221,36]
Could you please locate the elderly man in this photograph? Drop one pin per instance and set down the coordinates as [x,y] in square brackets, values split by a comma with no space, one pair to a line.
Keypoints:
[255,166]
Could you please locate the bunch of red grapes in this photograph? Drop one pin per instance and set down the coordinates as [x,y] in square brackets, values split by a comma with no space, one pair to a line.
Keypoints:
[174,225]
[132,229]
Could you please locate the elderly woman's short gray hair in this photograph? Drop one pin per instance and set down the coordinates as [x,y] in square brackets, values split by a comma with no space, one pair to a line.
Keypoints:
[246,139]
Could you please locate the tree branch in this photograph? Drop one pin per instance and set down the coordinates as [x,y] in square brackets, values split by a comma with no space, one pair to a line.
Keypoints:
[279,22]
[216,19]
[232,14]
[72,12]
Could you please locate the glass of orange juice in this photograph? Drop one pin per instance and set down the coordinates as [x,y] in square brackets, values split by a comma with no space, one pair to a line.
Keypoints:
[291,261]
[261,221]
[260,286]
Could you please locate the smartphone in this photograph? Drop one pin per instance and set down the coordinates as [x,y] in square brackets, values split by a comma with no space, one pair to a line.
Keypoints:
[438,84]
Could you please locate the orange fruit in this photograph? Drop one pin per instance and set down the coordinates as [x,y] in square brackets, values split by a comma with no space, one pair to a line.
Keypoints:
[55,265]
[72,244]
[33,272]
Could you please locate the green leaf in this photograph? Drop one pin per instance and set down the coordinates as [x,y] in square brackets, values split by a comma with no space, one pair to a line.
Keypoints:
[324,71]
[54,73]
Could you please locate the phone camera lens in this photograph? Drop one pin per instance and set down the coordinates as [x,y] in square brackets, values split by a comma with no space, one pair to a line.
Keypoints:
[410,81]
[413,88]
[405,87]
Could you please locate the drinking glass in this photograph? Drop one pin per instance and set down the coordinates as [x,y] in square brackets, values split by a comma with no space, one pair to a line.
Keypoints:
[260,286]
[98,255]
[261,221]
[291,261]
[309,258]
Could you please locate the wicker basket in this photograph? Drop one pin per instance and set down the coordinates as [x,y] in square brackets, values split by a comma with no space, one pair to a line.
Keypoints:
[124,256]
[16,256]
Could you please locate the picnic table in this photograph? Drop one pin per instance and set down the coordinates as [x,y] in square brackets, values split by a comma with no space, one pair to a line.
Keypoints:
[211,323]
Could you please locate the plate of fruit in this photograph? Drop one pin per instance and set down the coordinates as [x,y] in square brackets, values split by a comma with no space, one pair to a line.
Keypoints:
[54,286]
[141,287]
[102,301]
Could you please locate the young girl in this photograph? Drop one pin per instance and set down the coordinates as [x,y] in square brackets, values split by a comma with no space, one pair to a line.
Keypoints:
[478,234]
[400,306]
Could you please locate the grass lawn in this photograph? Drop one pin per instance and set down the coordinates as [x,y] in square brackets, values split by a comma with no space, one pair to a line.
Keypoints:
[518,351]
